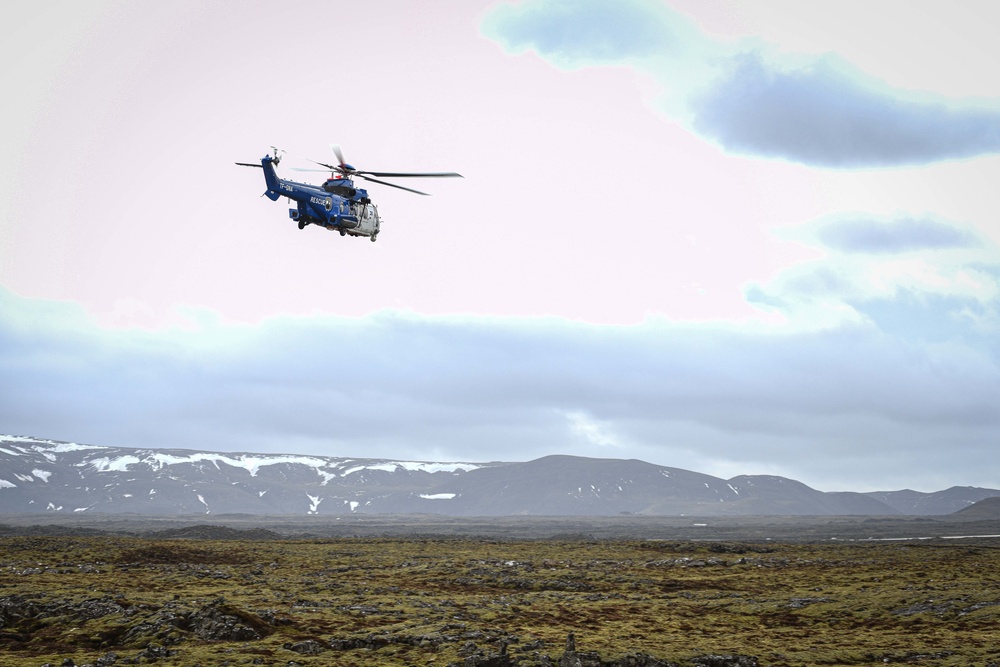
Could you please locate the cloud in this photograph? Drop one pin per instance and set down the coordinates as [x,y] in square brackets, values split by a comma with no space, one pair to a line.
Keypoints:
[937,317]
[591,431]
[900,235]
[400,386]
[747,97]
[826,114]
[573,33]
[917,278]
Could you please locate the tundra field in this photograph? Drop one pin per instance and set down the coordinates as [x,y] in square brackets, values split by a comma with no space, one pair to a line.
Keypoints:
[460,601]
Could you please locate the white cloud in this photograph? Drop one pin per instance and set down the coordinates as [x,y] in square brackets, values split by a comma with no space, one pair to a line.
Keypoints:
[591,431]
[915,277]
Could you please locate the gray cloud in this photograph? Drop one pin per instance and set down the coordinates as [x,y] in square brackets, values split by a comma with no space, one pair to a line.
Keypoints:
[866,235]
[823,112]
[700,397]
[827,116]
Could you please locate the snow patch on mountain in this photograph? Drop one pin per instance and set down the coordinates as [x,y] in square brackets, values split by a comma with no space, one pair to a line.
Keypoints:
[423,466]
[50,446]
[413,466]
[159,460]
[314,502]
[106,464]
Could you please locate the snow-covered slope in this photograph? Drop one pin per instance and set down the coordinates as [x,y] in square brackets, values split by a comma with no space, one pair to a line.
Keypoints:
[45,475]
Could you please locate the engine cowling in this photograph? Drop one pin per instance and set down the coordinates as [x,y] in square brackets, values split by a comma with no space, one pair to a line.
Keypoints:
[335,188]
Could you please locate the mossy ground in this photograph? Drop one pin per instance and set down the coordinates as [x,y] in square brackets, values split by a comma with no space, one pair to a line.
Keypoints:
[430,601]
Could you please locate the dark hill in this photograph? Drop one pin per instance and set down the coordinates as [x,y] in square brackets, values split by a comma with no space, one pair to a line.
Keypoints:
[988,508]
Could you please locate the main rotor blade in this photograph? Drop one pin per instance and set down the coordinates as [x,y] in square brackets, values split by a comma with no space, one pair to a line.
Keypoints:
[249,164]
[340,156]
[393,185]
[399,174]
[329,167]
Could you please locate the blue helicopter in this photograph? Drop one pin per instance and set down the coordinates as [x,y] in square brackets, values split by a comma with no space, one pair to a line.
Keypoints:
[338,204]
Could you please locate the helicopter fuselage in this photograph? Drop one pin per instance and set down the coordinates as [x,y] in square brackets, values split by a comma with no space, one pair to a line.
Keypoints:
[337,205]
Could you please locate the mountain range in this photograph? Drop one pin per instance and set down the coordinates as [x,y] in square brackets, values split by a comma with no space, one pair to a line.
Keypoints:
[38,475]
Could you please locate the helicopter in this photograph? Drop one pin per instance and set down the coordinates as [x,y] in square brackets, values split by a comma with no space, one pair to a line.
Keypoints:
[338,204]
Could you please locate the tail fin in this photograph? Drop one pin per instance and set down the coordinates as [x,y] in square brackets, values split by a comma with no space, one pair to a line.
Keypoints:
[270,177]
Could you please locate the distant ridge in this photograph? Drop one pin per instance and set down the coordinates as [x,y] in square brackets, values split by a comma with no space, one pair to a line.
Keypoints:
[47,476]
[210,532]
[987,508]
[947,501]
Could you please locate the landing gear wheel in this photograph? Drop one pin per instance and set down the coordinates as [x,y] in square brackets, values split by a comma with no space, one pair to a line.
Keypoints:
[343,233]
[302,224]
[373,237]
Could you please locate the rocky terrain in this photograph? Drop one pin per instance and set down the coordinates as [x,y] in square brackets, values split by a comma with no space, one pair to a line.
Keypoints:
[43,476]
[104,601]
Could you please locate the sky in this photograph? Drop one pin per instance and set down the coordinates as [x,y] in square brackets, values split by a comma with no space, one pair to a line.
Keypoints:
[733,237]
